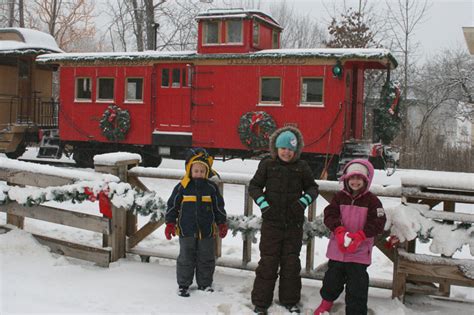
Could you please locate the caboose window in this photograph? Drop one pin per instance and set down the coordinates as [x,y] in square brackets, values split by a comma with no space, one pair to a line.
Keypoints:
[312,91]
[270,90]
[134,89]
[175,78]
[274,39]
[105,89]
[256,33]
[234,31]
[165,77]
[211,32]
[83,88]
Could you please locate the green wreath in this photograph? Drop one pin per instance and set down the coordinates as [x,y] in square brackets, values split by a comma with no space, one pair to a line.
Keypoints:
[115,123]
[255,129]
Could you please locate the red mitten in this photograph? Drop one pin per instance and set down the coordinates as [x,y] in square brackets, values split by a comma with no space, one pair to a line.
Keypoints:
[223,230]
[170,230]
[339,233]
[357,238]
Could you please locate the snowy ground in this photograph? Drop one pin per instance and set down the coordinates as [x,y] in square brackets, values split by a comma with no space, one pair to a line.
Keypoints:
[35,281]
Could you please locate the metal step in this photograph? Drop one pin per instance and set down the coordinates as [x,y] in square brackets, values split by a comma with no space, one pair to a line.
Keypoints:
[50,145]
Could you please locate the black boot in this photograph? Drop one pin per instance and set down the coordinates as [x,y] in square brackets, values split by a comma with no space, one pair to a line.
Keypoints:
[292,308]
[260,310]
[183,291]
[205,289]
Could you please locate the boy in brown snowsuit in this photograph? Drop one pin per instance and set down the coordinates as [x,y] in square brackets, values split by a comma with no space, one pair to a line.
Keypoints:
[283,186]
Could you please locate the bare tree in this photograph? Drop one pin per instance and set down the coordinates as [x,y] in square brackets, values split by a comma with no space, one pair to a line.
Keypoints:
[442,85]
[69,22]
[137,18]
[403,18]
[11,13]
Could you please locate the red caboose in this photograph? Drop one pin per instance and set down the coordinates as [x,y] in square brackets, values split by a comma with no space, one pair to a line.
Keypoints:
[227,96]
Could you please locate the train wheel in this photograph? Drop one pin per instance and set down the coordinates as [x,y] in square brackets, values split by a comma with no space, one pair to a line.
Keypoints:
[150,160]
[83,158]
[20,149]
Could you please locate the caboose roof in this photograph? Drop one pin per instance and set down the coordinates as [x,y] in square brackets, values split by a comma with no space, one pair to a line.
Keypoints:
[343,54]
[237,13]
[24,41]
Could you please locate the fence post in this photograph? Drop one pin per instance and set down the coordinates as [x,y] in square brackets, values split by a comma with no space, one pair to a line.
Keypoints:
[247,244]
[310,244]
[123,222]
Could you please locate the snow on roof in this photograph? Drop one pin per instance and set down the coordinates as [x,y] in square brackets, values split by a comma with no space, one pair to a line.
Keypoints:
[26,41]
[376,54]
[119,56]
[229,13]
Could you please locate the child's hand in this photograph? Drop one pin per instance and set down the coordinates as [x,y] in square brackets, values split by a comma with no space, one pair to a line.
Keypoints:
[170,230]
[357,238]
[340,234]
[223,230]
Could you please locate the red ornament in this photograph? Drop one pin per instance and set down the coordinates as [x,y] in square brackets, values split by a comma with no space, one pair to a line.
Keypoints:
[392,242]
[90,194]
[105,206]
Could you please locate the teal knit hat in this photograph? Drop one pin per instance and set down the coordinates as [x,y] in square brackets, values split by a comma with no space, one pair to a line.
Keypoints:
[286,139]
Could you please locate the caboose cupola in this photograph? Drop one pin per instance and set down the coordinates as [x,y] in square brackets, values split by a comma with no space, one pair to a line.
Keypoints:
[236,31]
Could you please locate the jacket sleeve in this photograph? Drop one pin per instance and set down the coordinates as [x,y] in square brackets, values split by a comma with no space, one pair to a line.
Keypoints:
[332,214]
[309,184]
[375,218]
[218,205]
[258,182]
[174,203]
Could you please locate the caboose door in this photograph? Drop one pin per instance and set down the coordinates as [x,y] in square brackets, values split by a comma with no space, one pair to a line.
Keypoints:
[173,99]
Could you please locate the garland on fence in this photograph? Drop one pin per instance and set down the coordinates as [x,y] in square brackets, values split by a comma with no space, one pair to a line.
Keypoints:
[115,123]
[122,195]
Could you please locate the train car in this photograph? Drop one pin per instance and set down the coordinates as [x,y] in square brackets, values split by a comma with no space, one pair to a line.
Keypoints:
[26,88]
[228,96]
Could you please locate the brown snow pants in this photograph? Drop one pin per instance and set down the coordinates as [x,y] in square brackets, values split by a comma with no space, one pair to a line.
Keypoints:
[279,249]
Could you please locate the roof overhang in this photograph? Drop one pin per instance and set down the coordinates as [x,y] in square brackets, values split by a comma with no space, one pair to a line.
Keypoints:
[469,36]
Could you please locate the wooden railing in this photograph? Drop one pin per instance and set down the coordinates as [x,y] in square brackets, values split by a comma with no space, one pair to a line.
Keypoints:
[121,234]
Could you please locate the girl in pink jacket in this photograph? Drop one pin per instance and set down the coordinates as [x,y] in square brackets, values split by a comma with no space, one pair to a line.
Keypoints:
[355,217]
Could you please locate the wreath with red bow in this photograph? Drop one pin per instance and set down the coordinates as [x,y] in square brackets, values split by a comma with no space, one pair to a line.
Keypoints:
[115,123]
[255,129]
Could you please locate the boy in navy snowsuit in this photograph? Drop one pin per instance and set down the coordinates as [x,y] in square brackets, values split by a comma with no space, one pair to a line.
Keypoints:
[196,214]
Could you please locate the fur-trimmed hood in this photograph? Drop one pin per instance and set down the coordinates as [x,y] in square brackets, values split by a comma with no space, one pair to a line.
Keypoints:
[299,137]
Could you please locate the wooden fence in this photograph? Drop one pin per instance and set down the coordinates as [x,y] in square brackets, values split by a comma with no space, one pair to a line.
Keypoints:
[121,234]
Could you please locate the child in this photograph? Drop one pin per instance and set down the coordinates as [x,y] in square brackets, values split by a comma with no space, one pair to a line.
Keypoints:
[194,209]
[283,186]
[355,217]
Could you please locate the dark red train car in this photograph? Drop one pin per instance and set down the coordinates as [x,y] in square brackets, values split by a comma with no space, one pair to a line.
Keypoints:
[227,96]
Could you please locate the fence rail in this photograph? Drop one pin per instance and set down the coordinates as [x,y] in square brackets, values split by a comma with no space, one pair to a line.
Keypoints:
[121,234]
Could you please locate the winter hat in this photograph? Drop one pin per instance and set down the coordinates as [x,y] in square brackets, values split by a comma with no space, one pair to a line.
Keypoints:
[357,168]
[286,139]
[197,155]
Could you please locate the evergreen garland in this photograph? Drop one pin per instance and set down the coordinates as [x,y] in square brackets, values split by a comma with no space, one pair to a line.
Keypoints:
[386,114]
[255,129]
[115,123]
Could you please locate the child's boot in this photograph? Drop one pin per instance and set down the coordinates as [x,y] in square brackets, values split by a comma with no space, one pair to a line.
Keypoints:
[183,291]
[325,306]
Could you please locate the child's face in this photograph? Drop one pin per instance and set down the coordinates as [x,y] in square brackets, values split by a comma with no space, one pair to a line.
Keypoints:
[356,182]
[285,154]
[198,170]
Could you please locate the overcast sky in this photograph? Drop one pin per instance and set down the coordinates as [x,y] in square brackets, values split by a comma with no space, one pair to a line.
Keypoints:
[442,26]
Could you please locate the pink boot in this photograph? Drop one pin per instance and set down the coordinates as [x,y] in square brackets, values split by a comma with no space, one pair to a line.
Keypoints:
[325,306]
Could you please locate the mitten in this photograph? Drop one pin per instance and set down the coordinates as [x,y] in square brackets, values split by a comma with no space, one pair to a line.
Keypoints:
[305,200]
[357,238]
[170,230]
[263,204]
[223,230]
[340,233]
